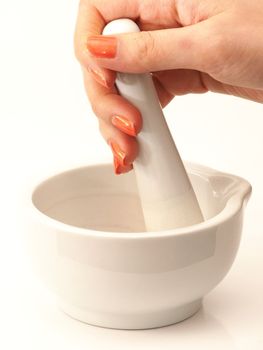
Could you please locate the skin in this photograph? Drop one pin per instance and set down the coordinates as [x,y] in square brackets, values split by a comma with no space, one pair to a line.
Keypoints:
[190,46]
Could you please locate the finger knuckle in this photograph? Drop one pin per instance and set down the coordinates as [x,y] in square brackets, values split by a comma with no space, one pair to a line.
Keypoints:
[79,44]
[146,49]
[80,37]
[95,106]
[103,129]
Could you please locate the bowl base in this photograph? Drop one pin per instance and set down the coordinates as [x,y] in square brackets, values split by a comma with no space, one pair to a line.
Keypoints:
[132,321]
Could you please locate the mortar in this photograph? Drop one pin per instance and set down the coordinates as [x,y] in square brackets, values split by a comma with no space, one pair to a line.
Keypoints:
[89,245]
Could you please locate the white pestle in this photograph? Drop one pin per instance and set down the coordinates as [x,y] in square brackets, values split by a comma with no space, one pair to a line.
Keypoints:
[167,197]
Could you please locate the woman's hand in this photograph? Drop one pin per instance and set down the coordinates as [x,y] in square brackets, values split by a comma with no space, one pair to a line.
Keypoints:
[191,46]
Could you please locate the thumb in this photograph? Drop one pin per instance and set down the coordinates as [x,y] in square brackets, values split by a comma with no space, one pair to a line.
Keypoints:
[193,47]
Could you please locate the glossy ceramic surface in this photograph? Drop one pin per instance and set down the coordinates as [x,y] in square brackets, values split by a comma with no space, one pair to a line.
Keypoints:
[87,242]
[174,203]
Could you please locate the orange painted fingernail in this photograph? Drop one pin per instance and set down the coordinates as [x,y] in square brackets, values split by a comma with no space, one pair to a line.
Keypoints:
[124,125]
[118,153]
[127,168]
[98,76]
[117,166]
[120,169]
[102,46]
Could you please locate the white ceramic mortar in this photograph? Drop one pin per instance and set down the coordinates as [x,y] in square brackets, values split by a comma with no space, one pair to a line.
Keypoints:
[87,242]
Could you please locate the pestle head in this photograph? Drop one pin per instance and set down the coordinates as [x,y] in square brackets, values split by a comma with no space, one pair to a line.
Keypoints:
[166,193]
[120,26]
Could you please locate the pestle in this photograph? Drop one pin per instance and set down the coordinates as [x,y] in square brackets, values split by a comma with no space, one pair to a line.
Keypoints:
[167,197]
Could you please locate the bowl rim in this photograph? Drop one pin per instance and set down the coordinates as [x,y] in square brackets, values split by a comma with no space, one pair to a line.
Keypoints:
[241,193]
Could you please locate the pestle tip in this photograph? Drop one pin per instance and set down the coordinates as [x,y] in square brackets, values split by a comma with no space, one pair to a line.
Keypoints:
[120,26]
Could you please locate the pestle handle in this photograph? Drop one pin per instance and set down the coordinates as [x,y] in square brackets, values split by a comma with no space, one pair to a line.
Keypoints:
[167,197]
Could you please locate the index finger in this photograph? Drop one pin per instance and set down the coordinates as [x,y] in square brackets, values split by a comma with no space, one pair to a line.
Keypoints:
[89,22]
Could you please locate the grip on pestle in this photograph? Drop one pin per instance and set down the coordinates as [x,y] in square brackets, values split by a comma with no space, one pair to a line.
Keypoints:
[167,197]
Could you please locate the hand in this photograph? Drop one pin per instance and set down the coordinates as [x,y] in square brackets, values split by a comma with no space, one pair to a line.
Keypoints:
[191,46]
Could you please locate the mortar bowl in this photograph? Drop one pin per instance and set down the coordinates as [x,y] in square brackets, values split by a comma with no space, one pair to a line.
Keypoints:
[88,243]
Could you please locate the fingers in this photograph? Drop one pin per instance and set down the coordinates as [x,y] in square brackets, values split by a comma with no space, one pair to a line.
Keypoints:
[112,108]
[177,82]
[188,47]
[90,22]
[216,86]
[181,81]
[119,122]
[124,147]
[164,96]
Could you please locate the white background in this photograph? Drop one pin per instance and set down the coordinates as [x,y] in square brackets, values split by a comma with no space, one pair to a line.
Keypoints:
[46,125]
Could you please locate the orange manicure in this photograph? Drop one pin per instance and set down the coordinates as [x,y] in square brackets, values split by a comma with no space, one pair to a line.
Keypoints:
[102,46]
[98,76]
[119,169]
[118,153]
[124,125]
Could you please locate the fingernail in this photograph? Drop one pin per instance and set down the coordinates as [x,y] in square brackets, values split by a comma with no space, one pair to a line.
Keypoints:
[124,125]
[118,153]
[102,46]
[120,169]
[98,76]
